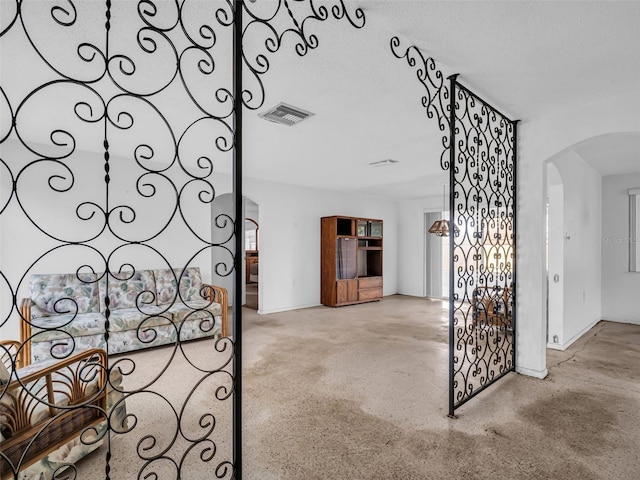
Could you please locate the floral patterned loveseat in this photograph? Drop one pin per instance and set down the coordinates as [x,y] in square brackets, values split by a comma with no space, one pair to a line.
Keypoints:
[53,413]
[67,313]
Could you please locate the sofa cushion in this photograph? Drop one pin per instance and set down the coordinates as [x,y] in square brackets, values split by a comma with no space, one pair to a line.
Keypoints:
[190,285]
[5,375]
[65,347]
[202,327]
[195,309]
[54,327]
[53,294]
[132,318]
[128,290]
[166,285]
[132,340]
[94,323]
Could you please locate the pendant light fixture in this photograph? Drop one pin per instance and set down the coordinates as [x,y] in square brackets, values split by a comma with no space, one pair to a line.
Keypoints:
[441,227]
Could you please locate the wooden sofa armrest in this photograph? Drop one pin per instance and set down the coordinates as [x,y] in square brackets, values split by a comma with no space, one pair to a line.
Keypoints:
[31,439]
[25,330]
[10,353]
[37,370]
[219,295]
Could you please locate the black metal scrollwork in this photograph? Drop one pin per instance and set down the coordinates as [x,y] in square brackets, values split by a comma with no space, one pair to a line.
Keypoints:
[271,24]
[436,97]
[116,139]
[479,151]
[483,212]
[105,176]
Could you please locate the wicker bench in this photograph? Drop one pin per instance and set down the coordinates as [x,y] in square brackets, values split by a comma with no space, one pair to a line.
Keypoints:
[491,306]
[53,413]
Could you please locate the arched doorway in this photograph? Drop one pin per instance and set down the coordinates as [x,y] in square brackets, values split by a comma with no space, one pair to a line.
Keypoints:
[589,237]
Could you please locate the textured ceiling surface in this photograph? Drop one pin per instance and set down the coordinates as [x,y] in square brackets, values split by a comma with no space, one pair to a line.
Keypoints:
[528,58]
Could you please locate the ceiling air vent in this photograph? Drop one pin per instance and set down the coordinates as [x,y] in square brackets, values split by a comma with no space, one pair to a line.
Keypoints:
[285,114]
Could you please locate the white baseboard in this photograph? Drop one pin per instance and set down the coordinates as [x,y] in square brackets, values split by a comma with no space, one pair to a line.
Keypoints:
[569,342]
[632,322]
[529,372]
[300,307]
[287,309]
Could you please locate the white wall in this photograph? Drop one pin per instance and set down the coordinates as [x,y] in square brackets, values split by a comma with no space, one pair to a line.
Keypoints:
[289,234]
[582,247]
[540,139]
[252,210]
[26,249]
[619,286]
[290,240]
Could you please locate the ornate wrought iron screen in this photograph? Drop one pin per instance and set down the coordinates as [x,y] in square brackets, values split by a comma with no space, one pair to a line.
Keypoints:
[482,175]
[479,152]
[121,229]
[117,185]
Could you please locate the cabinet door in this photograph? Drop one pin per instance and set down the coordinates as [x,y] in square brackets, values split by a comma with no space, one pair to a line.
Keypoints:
[341,292]
[352,290]
[346,291]
[346,258]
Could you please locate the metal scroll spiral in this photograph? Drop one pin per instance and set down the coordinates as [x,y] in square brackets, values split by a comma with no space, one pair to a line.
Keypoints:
[116,132]
[483,191]
[436,92]
[114,144]
[484,249]
[272,24]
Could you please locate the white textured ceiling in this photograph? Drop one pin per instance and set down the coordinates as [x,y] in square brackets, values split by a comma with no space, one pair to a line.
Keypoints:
[526,57]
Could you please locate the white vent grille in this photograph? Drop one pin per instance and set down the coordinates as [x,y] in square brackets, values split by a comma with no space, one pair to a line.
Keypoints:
[285,114]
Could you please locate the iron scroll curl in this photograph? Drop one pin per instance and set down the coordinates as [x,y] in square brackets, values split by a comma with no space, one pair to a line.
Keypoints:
[98,165]
[436,97]
[271,25]
[101,159]
[479,152]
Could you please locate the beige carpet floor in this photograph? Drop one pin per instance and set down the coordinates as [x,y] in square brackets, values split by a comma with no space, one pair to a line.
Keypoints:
[360,392]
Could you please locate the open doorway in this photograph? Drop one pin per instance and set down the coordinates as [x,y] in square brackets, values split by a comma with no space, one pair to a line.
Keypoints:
[251,254]
[555,256]
[574,249]
[436,278]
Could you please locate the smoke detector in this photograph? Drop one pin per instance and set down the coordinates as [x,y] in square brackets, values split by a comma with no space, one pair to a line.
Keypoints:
[285,114]
[384,163]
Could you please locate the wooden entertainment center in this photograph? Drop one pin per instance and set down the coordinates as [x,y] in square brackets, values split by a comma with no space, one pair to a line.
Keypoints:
[351,260]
